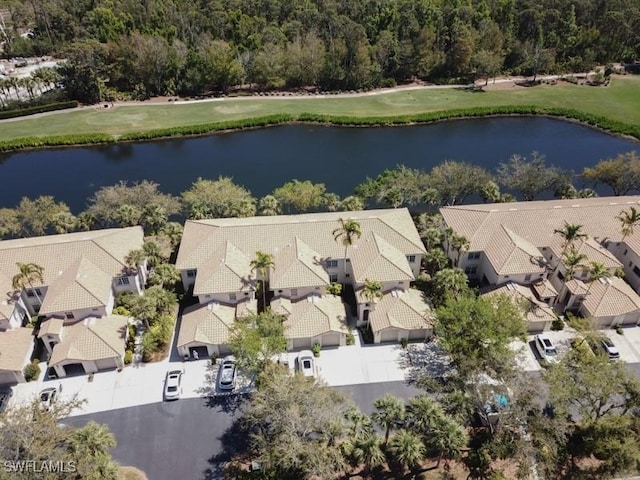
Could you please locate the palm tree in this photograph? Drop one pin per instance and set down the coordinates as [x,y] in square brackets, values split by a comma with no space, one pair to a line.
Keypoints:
[629,220]
[85,221]
[348,232]
[153,218]
[389,414]
[261,264]
[165,274]
[28,273]
[570,232]
[135,258]
[597,270]
[422,412]
[432,238]
[127,215]
[372,290]
[448,438]
[173,231]
[366,449]
[153,253]
[573,260]
[448,282]
[407,448]
[459,243]
[92,440]
[435,260]
[64,222]
[269,206]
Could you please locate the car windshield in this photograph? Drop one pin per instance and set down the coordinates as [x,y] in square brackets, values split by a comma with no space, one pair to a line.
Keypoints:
[607,343]
[306,363]
[44,396]
[551,352]
[172,388]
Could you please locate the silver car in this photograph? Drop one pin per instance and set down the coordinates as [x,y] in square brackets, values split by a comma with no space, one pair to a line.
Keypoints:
[227,373]
[173,385]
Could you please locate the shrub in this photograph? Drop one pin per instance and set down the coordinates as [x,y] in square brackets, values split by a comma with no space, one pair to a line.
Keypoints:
[351,339]
[404,342]
[619,330]
[122,310]
[316,349]
[557,324]
[128,357]
[335,289]
[32,371]
[20,112]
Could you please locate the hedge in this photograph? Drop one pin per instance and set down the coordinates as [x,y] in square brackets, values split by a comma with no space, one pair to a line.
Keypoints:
[603,123]
[21,112]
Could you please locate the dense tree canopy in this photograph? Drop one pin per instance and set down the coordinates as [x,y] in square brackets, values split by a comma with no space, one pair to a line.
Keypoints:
[134,49]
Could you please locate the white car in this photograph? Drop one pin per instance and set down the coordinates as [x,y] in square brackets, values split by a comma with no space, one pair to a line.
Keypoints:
[546,349]
[48,397]
[305,363]
[173,385]
[227,373]
[609,348]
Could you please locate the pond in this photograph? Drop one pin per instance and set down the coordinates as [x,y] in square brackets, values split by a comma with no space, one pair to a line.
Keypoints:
[264,159]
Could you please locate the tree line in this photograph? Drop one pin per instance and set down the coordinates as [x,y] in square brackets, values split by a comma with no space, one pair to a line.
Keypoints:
[121,49]
[448,183]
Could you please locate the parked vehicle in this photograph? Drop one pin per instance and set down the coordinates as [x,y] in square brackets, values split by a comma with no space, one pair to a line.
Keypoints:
[609,348]
[48,397]
[173,385]
[546,349]
[227,373]
[5,395]
[305,363]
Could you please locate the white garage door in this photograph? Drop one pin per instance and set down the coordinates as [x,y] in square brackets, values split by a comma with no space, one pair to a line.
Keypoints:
[331,340]
[389,336]
[106,363]
[300,343]
[417,334]
[7,378]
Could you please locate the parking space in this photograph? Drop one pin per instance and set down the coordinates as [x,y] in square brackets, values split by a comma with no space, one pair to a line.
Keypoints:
[525,356]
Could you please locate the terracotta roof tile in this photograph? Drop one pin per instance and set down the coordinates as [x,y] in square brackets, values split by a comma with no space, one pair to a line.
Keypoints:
[312,316]
[15,346]
[403,309]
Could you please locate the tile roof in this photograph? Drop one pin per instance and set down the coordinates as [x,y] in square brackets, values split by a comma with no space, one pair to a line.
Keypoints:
[592,250]
[15,346]
[576,286]
[52,326]
[246,308]
[81,285]
[297,265]
[534,309]
[544,289]
[372,257]
[403,309]
[104,249]
[227,269]
[269,233]
[610,297]
[536,221]
[312,316]
[91,339]
[209,323]
[509,253]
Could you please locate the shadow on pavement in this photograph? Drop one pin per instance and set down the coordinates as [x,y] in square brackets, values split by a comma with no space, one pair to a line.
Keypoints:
[227,403]
[424,360]
[235,441]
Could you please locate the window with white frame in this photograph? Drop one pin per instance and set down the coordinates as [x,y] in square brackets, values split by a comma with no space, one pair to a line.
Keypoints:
[232,296]
[123,281]
[69,315]
[411,258]
[191,273]
[527,278]
[332,263]
[333,278]
[31,293]
[471,270]
[473,255]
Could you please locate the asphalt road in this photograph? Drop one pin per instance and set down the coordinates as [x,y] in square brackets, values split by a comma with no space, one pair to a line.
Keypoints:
[187,439]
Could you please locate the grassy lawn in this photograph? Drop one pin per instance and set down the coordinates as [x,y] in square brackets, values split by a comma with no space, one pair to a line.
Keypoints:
[620,101]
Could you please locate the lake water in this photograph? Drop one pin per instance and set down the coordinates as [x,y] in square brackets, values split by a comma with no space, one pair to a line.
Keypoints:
[264,159]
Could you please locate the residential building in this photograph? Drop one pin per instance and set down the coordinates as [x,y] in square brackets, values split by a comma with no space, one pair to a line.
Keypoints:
[215,257]
[515,242]
[81,274]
